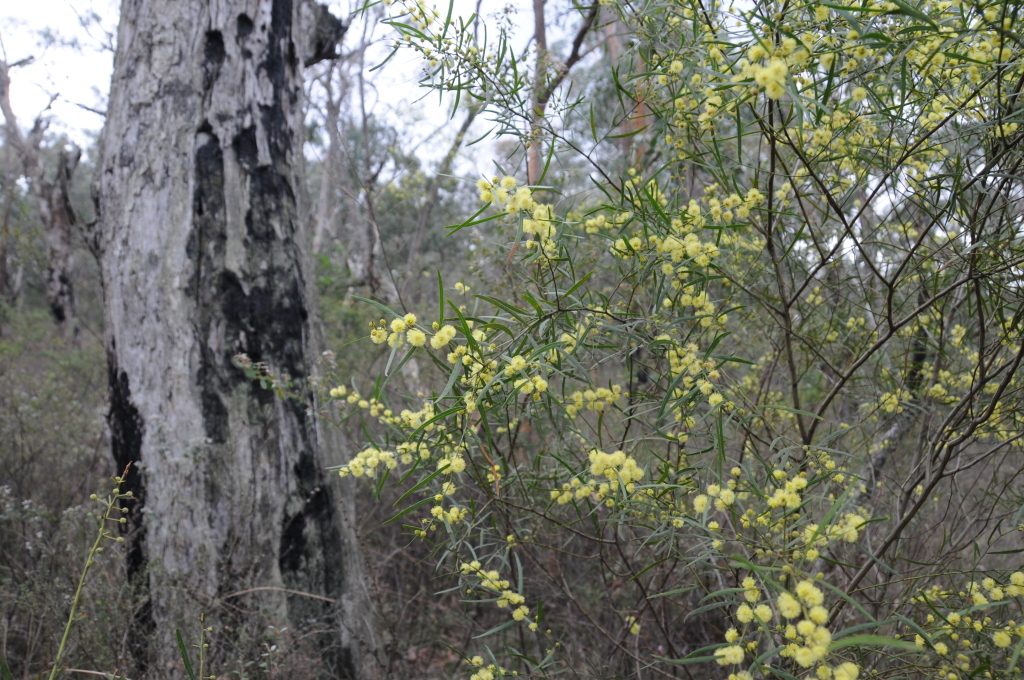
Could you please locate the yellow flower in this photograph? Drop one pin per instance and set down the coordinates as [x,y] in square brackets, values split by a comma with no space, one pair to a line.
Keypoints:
[416,337]
[443,336]
[809,594]
[847,671]
[806,657]
[788,606]
[732,654]
[1001,638]
[774,90]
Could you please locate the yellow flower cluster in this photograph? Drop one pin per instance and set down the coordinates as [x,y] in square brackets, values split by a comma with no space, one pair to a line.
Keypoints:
[402,329]
[958,631]
[505,194]
[535,386]
[444,335]
[891,402]
[544,227]
[592,400]
[614,467]
[488,672]
[366,462]
[504,597]
[690,247]
[808,638]
[594,225]
[772,77]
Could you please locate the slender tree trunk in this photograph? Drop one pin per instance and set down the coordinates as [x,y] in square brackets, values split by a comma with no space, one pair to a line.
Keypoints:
[5,222]
[60,231]
[204,254]
[540,37]
[324,212]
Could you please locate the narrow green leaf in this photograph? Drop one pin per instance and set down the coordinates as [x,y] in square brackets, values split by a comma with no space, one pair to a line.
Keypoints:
[520,314]
[5,672]
[792,410]
[184,655]
[874,641]
[440,298]
[383,308]
[456,372]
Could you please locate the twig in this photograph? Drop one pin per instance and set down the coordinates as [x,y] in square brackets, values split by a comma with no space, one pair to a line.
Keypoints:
[281,590]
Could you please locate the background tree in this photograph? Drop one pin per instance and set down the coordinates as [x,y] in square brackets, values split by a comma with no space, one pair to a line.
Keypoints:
[52,192]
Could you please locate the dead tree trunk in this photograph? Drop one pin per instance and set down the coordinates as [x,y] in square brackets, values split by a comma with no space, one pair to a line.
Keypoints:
[53,200]
[204,253]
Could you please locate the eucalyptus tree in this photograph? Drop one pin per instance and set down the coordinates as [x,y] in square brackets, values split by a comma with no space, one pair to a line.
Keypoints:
[204,247]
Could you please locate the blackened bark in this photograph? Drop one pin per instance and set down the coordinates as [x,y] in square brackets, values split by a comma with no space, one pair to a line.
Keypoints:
[204,252]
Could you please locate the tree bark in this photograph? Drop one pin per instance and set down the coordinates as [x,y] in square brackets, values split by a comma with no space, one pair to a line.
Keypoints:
[204,247]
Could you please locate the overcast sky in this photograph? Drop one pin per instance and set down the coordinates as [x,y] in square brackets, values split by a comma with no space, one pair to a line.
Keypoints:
[70,43]
[68,60]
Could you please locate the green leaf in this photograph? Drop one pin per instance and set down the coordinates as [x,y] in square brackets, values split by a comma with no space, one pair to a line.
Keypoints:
[578,284]
[720,593]
[5,672]
[1013,661]
[684,662]
[398,368]
[383,308]
[873,640]
[533,303]
[793,410]
[706,608]
[472,221]
[456,372]
[406,511]
[440,299]
[496,629]
[910,10]
[440,416]
[184,655]
[520,314]
[423,482]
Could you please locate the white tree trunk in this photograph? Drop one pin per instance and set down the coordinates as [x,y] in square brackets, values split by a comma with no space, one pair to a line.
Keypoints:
[203,250]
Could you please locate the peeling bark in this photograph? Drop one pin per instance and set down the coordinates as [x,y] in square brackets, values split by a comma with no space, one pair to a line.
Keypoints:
[204,253]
